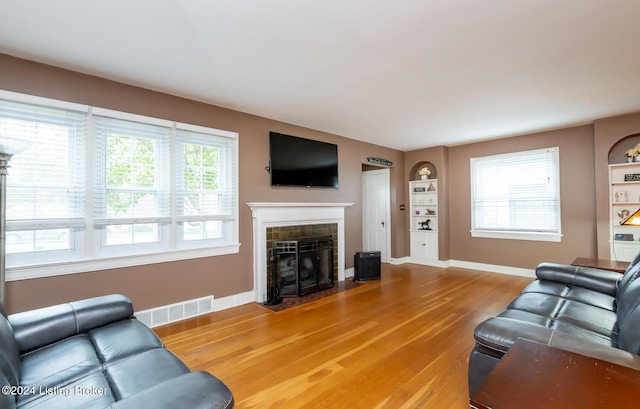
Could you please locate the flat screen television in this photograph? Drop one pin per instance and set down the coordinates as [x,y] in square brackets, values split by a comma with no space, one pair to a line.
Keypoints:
[296,161]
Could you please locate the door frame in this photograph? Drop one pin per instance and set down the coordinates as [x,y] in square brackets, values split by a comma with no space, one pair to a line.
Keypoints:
[387,213]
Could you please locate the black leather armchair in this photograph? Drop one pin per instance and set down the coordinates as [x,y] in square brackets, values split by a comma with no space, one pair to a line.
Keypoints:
[95,354]
[585,310]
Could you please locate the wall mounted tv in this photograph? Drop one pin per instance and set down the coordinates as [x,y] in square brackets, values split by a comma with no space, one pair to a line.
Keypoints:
[302,162]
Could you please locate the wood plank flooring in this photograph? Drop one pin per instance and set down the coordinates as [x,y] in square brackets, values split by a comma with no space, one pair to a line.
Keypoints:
[401,342]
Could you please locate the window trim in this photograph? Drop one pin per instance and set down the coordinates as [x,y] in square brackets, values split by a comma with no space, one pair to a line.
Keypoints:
[95,262]
[514,234]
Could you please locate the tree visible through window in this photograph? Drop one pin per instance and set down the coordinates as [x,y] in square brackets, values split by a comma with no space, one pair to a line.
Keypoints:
[97,183]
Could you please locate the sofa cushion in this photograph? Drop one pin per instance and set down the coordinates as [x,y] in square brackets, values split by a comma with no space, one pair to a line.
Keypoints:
[565,291]
[121,339]
[59,363]
[195,388]
[628,338]
[36,328]
[632,273]
[627,327]
[90,391]
[143,371]
[575,276]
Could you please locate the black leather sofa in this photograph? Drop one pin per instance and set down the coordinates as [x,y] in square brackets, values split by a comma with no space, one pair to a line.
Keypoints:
[94,354]
[584,310]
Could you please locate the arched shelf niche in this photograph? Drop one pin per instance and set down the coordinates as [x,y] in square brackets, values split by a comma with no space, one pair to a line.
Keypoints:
[617,153]
[414,175]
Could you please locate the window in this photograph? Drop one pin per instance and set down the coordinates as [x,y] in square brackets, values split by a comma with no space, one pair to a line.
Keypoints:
[131,187]
[516,195]
[102,189]
[205,199]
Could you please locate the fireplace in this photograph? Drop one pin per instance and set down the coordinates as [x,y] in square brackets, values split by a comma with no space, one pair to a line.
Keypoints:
[271,219]
[300,267]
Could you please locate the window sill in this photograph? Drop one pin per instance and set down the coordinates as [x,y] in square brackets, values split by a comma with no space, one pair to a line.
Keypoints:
[555,237]
[85,266]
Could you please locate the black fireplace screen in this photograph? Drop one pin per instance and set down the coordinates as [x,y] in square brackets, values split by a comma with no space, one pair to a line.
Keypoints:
[300,267]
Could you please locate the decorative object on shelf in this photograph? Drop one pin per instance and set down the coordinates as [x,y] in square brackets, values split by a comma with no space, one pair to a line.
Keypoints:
[420,189]
[431,212]
[424,173]
[417,212]
[632,177]
[623,214]
[425,225]
[633,154]
[622,196]
[380,161]
[431,188]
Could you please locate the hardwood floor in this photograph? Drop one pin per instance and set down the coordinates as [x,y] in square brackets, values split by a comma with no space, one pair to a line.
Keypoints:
[402,342]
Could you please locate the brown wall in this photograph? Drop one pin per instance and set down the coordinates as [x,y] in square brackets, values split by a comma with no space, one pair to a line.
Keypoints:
[577,201]
[166,283]
[584,193]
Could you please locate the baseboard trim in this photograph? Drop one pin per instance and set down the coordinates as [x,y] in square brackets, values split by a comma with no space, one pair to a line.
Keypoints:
[492,268]
[235,300]
[349,272]
[399,261]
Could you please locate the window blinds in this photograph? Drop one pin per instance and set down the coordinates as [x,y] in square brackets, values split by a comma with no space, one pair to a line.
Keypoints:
[132,185]
[46,184]
[205,176]
[516,192]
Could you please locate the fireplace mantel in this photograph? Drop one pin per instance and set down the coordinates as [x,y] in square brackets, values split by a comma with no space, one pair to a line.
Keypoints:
[272,214]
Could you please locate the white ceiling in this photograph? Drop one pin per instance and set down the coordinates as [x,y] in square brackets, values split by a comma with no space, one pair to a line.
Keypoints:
[406,74]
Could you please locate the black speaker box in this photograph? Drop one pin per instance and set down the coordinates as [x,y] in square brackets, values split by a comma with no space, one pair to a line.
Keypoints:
[366,265]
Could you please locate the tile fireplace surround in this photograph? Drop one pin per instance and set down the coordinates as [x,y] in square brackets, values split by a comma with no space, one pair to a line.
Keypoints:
[277,214]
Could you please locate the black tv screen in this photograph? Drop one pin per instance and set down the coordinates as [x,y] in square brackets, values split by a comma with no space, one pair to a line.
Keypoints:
[302,162]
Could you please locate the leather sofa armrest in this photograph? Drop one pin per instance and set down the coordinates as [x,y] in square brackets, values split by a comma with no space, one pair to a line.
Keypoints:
[197,390]
[36,328]
[603,281]
[499,334]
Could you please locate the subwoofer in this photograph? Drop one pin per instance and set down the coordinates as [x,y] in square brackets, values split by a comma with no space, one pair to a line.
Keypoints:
[366,265]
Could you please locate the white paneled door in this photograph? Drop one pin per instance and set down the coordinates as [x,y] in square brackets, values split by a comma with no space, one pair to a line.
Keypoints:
[376,212]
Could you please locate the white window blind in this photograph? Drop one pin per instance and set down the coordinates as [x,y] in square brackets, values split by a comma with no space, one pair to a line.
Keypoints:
[205,180]
[99,189]
[516,193]
[132,185]
[45,189]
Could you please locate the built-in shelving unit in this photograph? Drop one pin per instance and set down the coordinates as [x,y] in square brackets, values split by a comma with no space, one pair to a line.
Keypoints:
[624,198]
[423,199]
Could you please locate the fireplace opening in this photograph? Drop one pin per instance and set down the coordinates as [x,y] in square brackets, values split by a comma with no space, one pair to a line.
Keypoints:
[300,267]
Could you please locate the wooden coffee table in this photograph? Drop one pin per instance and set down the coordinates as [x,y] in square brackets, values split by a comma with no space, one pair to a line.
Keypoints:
[533,375]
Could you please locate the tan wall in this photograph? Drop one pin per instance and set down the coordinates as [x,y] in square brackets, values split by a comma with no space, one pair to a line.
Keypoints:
[166,283]
[584,193]
[577,201]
